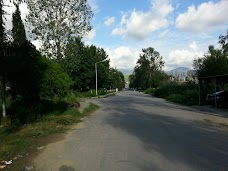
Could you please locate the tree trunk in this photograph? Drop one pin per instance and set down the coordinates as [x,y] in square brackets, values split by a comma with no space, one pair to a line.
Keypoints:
[3,98]
[2,57]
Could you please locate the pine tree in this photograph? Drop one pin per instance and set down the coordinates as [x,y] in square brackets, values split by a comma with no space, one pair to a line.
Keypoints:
[18,30]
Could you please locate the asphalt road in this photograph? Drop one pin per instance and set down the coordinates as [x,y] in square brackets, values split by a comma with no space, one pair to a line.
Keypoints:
[136,132]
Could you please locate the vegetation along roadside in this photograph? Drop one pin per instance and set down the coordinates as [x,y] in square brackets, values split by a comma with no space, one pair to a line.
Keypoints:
[16,140]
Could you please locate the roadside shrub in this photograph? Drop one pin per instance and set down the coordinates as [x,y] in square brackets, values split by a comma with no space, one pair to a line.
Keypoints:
[55,83]
[71,98]
[167,89]
[183,93]
[177,98]
[191,97]
[150,91]
[22,113]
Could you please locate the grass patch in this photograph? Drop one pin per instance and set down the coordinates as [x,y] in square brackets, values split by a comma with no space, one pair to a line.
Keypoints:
[91,108]
[176,98]
[17,140]
[91,93]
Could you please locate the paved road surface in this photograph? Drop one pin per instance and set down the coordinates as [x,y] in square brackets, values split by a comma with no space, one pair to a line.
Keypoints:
[137,132]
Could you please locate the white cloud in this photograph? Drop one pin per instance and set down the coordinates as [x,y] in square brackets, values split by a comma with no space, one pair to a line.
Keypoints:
[90,36]
[122,57]
[205,17]
[193,46]
[183,57]
[163,34]
[118,31]
[139,25]
[37,43]
[162,7]
[94,6]
[109,21]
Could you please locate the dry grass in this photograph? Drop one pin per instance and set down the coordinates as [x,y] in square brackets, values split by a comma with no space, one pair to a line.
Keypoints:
[212,123]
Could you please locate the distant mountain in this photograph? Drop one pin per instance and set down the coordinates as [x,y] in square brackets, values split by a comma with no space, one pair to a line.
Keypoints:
[179,70]
[126,71]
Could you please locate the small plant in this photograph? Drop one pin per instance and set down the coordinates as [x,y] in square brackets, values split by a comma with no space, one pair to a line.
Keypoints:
[17,139]
[150,91]
[91,108]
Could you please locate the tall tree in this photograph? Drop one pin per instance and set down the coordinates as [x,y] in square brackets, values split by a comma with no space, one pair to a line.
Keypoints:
[18,30]
[215,61]
[54,22]
[32,77]
[156,62]
[149,66]
[22,62]
[116,79]
[3,48]
[79,63]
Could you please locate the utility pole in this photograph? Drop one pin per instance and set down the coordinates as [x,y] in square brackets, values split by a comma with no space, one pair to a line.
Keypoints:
[96,76]
[96,72]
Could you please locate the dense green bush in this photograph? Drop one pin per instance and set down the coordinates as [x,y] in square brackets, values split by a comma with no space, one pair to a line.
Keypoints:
[191,97]
[55,83]
[167,89]
[183,93]
[150,91]
[177,98]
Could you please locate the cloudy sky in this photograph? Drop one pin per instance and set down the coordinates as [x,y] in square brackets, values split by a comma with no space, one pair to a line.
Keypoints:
[180,30]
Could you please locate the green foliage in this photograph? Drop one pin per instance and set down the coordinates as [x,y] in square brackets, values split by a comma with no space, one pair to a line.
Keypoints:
[190,97]
[24,72]
[56,21]
[148,72]
[157,78]
[215,62]
[150,91]
[3,55]
[18,30]
[55,83]
[183,93]
[91,93]
[176,98]
[167,89]
[91,108]
[15,140]
[71,98]
[32,78]
[79,62]
[116,79]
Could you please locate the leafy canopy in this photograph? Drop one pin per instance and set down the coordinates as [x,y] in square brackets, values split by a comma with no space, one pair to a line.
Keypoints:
[54,22]
[148,71]
[215,62]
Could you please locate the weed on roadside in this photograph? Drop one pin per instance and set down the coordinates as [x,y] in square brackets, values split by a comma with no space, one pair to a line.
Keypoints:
[16,140]
[91,108]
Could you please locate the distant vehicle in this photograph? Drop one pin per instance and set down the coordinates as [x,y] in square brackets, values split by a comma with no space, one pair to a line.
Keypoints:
[221,96]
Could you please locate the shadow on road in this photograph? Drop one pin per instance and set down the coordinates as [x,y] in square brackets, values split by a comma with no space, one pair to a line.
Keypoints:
[66,168]
[176,139]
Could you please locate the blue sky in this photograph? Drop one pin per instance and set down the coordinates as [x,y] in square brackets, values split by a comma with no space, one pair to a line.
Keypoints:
[180,30]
